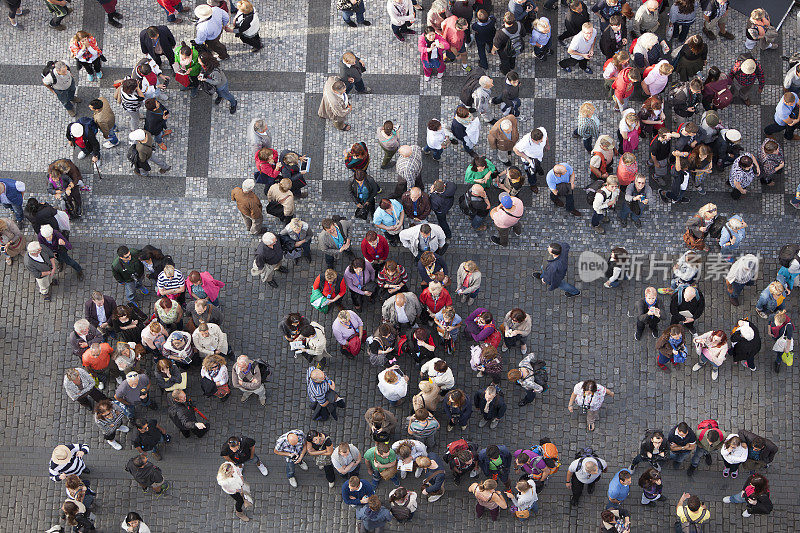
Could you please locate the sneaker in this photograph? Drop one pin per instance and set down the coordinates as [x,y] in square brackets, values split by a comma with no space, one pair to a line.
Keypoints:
[466,68]
[303,465]
[100,385]
[504,348]
[494,423]
[735,474]
[567,69]
[440,75]
[726,499]
[588,70]
[418,472]
[156,455]
[109,144]
[482,423]
[81,154]
[114,444]
[696,367]
[700,190]
[90,77]
[144,290]
[123,428]
[330,484]
[426,78]
[435,497]
[263,469]
[745,514]
[654,334]
[293,482]
[726,472]
[98,75]
[449,428]
[714,374]
[114,23]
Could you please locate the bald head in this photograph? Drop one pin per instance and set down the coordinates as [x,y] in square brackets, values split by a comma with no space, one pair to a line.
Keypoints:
[317,375]
[486,82]
[559,170]
[400,300]
[415,193]
[404,151]
[690,293]
[477,190]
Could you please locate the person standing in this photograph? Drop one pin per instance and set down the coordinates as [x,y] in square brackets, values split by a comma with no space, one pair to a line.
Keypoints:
[335,105]
[144,142]
[580,50]
[351,69]
[240,450]
[686,306]
[59,245]
[381,462]
[268,259]
[442,197]
[212,73]
[589,396]
[79,386]
[149,437]
[350,8]
[103,116]
[183,414]
[157,41]
[648,313]
[530,149]
[246,376]
[507,216]
[561,182]
[249,206]
[401,17]
[508,42]
[503,136]
[388,139]
[67,460]
[41,262]
[246,25]
[554,271]
[488,498]
[146,474]
[292,446]
[373,516]
[785,119]
[212,21]
[409,169]
[230,479]
[484,31]
[83,135]
[11,192]
[691,512]
[584,471]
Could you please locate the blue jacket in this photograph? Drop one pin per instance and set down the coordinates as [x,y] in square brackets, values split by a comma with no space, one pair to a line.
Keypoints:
[353,497]
[556,269]
[460,415]
[505,455]
[518,10]
[484,31]
[727,233]
[13,195]
[372,520]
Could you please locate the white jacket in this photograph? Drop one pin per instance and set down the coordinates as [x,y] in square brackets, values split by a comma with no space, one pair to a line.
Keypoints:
[603,201]
[444,380]
[735,456]
[216,341]
[394,13]
[410,238]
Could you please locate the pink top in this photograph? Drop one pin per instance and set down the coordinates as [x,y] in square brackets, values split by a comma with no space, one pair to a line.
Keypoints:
[210,285]
[505,218]
[451,34]
[422,46]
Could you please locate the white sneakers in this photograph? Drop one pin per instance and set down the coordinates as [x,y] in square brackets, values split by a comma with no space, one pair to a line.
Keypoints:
[418,472]
[100,386]
[81,154]
[714,374]
[726,499]
[403,474]
[435,497]
[114,444]
[303,465]
[109,144]
[123,428]
[696,367]
[293,482]
[263,469]
[330,484]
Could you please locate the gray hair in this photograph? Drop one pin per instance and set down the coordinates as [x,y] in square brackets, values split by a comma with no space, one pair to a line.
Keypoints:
[259,125]
[59,65]
[81,324]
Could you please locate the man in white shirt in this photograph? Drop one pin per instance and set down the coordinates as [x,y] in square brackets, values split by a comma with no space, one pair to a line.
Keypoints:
[584,471]
[530,149]
[580,50]
[423,238]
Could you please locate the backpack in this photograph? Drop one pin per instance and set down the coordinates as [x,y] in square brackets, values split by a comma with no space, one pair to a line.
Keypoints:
[472,83]
[593,189]
[466,206]
[133,156]
[586,453]
[706,425]
[540,375]
[515,45]
[547,450]
[722,99]
[457,446]
[787,254]
[692,526]
[400,513]
[675,89]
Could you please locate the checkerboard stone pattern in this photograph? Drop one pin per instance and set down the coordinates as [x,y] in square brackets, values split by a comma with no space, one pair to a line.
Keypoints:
[188,213]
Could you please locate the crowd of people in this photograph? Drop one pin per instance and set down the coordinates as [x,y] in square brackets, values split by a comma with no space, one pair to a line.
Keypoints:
[121,350]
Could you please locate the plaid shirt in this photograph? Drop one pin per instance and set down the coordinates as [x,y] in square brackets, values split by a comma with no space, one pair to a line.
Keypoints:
[746,80]
[317,391]
[408,168]
[282,444]
[588,127]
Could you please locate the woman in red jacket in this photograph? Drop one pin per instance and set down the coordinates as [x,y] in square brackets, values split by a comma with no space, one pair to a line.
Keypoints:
[375,249]
[332,286]
[268,169]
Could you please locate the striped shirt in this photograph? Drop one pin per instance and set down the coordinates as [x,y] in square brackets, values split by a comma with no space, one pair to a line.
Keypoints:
[588,127]
[74,466]
[282,444]
[317,391]
[167,284]
[130,102]
[400,277]
[109,425]
[423,428]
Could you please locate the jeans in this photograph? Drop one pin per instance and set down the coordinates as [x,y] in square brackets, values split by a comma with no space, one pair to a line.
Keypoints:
[483,62]
[477,221]
[359,12]
[436,153]
[679,456]
[680,31]
[130,289]
[358,84]
[513,109]
[112,135]
[63,257]
[625,211]
[588,142]
[226,94]
[569,201]
[173,16]
[66,96]
[676,193]
[788,131]
[290,466]
[698,454]
[737,498]
[17,209]
[441,219]
[597,218]
[568,287]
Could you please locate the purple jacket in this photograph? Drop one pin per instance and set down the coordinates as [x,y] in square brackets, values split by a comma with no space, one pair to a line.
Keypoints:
[342,332]
[478,333]
[53,245]
[356,283]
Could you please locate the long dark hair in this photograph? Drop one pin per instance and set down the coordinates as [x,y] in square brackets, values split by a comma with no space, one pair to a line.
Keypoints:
[713,74]
[208,61]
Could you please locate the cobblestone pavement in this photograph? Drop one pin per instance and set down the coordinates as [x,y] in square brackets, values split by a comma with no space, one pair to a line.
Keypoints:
[187,212]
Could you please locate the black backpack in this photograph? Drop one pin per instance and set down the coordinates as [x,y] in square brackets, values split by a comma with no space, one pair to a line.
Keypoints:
[400,513]
[465,205]
[540,374]
[516,44]
[472,83]
[585,453]
[592,190]
[133,156]
[787,254]
[49,68]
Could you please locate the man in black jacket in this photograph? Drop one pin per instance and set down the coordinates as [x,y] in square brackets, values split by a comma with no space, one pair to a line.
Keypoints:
[759,449]
[686,306]
[648,313]
[269,256]
[503,44]
[155,121]
[184,416]
[614,37]
[350,70]
[146,474]
[577,15]
[442,197]
[157,41]
[363,190]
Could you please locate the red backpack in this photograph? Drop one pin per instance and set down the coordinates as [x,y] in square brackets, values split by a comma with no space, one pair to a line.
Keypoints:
[495,339]
[457,446]
[705,425]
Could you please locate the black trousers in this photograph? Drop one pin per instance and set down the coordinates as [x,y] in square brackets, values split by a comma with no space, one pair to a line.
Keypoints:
[507,63]
[90,398]
[650,321]
[254,41]
[577,487]
[196,431]
[91,68]
[239,499]
[571,62]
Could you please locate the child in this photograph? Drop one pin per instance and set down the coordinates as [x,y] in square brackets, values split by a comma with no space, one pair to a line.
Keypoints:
[510,180]
[389,142]
[509,101]
[627,169]
[436,139]
[629,131]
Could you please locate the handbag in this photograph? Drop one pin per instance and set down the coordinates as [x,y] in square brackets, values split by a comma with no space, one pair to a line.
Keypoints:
[319,301]
[371,286]
[275,209]
[388,473]
[353,345]
[183,79]
[362,213]
[788,358]
[208,387]
[692,241]
[522,513]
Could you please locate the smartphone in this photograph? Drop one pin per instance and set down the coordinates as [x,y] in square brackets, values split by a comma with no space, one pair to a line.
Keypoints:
[305,166]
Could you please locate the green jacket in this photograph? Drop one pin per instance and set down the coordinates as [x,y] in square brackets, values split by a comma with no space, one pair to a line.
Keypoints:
[483,177]
[125,272]
[711,446]
[194,67]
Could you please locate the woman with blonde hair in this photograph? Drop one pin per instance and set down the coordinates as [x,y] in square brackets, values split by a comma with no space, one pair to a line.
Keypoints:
[711,347]
[782,330]
[488,498]
[771,299]
[214,375]
[246,25]
[469,281]
[87,54]
[588,127]
[760,31]
[429,396]
[281,200]
[230,479]
[698,227]
[628,132]
[12,241]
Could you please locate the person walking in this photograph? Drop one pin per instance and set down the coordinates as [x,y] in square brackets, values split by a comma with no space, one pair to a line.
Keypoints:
[585,470]
[109,418]
[230,479]
[268,259]
[212,21]
[335,105]
[554,270]
[146,474]
[711,347]
[59,245]
[249,206]
[212,74]
[782,330]
[41,262]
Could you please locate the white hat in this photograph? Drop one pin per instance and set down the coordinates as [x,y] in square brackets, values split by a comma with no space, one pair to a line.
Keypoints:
[137,135]
[749,66]
[505,125]
[733,136]
[61,455]
[33,246]
[76,130]
[269,238]
[248,185]
[46,231]
[203,11]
